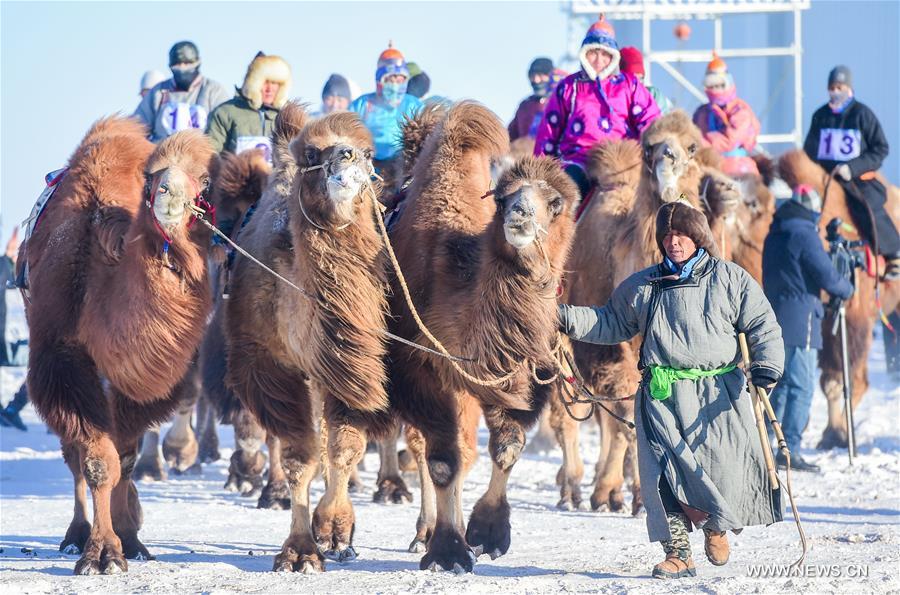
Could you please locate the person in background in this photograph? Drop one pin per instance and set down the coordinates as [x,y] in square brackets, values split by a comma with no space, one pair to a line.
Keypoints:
[419,82]
[528,114]
[336,95]
[633,62]
[727,122]
[596,104]
[383,111]
[183,101]
[247,120]
[9,415]
[796,269]
[846,139]
[150,79]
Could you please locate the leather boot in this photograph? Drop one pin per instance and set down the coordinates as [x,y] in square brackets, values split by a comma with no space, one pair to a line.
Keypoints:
[715,544]
[674,567]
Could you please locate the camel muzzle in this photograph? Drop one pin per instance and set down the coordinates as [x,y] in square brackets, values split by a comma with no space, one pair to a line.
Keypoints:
[519,224]
[347,174]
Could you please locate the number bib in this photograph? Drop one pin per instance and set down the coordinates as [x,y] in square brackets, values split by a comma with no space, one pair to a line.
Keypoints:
[177,116]
[246,143]
[839,144]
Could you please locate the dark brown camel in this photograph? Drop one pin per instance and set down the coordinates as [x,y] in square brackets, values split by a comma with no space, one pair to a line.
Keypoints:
[119,300]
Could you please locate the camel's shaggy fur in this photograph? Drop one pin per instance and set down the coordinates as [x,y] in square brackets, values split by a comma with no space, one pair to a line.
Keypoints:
[796,168]
[485,300]
[114,323]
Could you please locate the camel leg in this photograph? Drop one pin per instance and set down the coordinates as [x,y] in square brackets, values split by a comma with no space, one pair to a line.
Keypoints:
[103,551]
[207,429]
[79,529]
[415,442]
[489,530]
[334,520]
[571,471]
[608,483]
[127,515]
[276,495]
[248,462]
[300,461]
[180,446]
[391,487]
[150,466]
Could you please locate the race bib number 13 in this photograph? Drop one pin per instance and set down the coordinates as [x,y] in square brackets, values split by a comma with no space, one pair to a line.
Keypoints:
[838,144]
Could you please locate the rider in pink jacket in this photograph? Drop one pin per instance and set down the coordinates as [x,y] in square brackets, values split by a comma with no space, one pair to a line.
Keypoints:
[596,104]
[727,122]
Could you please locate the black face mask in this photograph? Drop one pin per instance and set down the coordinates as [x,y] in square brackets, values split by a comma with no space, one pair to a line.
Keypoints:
[541,89]
[184,78]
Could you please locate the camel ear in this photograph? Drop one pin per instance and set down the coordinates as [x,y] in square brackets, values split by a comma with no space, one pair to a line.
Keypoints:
[304,155]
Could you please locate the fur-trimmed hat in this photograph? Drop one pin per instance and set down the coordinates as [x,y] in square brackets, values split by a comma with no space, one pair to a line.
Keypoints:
[266,68]
[600,36]
[686,220]
[717,73]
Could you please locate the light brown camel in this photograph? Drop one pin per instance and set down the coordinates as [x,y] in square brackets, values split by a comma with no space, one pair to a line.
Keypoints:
[615,238]
[315,226]
[119,300]
[796,168]
[483,275]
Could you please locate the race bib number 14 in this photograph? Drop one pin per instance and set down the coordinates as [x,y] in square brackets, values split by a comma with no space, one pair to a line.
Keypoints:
[838,144]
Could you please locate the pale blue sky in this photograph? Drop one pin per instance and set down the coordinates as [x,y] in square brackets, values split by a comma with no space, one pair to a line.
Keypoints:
[66,64]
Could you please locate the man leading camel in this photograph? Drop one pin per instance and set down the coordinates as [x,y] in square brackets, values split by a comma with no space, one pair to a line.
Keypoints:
[696,433]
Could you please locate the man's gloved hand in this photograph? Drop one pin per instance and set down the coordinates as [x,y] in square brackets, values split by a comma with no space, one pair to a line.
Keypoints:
[764,378]
[843,172]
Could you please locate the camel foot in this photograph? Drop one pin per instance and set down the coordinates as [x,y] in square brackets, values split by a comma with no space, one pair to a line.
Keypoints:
[195,469]
[417,546]
[569,496]
[611,500]
[101,558]
[275,496]
[149,469]
[76,537]
[392,490]
[248,487]
[209,450]
[489,530]
[297,557]
[133,549]
[832,438]
[180,457]
[333,529]
[637,505]
[448,550]
[354,485]
[347,554]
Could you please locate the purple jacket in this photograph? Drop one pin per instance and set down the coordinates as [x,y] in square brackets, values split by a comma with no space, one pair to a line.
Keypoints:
[582,113]
[527,117]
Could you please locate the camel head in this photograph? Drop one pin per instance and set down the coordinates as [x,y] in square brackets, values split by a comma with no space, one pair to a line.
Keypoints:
[177,175]
[535,201]
[334,154]
[669,146]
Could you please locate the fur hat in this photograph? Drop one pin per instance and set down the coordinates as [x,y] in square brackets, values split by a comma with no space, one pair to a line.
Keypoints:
[600,36]
[683,218]
[266,68]
[632,61]
[391,61]
[717,73]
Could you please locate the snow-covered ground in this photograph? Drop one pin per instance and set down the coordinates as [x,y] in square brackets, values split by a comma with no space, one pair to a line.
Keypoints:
[209,540]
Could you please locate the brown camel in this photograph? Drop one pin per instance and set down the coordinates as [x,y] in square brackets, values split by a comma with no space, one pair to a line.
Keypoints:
[119,300]
[483,275]
[314,225]
[615,238]
[862,311]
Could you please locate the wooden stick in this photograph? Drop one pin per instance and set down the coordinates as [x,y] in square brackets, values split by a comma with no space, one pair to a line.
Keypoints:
[760,421]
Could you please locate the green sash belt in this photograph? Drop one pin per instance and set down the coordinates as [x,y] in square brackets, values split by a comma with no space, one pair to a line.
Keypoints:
[662,377]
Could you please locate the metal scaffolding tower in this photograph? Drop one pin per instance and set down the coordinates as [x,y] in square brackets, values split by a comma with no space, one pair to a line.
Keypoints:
[581,12]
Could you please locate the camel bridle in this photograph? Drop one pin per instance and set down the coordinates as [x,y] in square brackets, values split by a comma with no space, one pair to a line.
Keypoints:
[199,206]
[352,155]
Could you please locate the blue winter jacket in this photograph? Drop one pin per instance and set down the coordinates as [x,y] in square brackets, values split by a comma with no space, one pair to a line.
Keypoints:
[384,121]
[796,269]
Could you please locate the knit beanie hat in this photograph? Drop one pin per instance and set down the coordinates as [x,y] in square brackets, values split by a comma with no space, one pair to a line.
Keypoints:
[807,196]
[632,61]
[336,85]
[391,61]
[684,219]
[717,73]
[600,36]
[540,66]
[840,75]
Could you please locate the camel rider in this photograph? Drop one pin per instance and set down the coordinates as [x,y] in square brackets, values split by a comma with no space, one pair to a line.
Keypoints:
[633,62]
[727,122]
[845,138]
[183,101]
[795,271]
[246,121]
[697,439]
[383,111]
[150,79]
[528,114]
[336,95]
[596,104]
